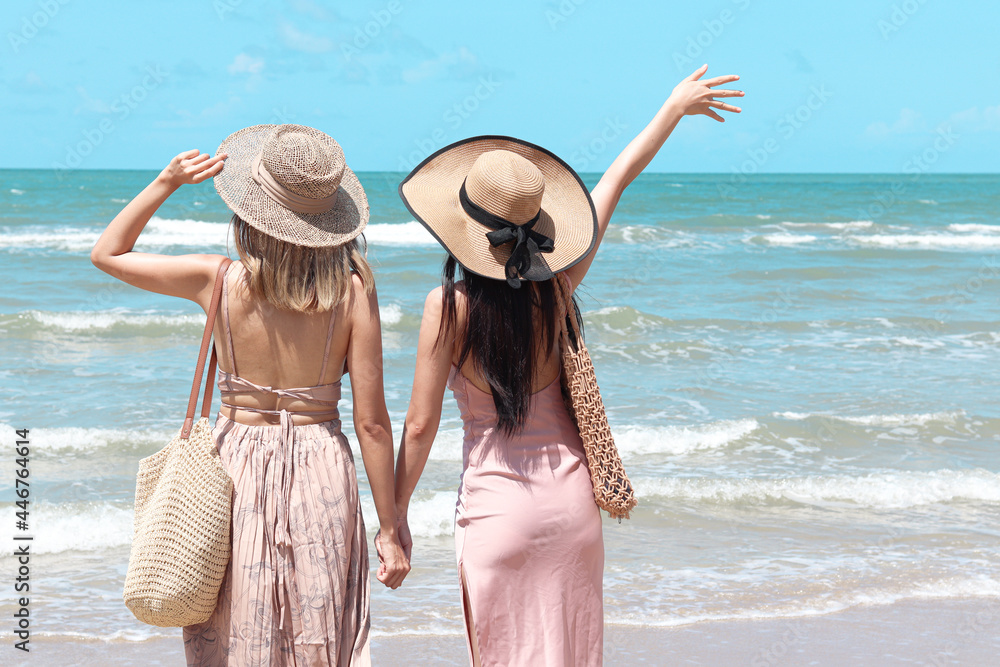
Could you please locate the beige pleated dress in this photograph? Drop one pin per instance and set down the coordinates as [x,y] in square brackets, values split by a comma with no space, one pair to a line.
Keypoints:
[297,589]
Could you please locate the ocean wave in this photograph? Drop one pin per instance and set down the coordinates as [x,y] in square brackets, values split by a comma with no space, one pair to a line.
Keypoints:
[15,191]
[886,490]
[974,227]
[929,241]
[850,224]
[641,440]
[918,419]
[123,321]
[623,321]
[940,589]
[784,239]
[429,515]
[90,526]
[410,233]
[80,439]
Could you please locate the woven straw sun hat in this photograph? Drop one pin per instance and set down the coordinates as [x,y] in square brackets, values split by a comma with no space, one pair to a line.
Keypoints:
[292,183]
[503,208]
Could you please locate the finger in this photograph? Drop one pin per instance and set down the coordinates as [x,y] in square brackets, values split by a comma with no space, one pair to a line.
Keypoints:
[712,114]
[724,106]
[725,92]
[716,80]
[208,173]
[698,73]
[198,159]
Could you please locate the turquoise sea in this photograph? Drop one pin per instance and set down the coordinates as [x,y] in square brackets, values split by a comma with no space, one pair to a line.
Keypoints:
[800,371]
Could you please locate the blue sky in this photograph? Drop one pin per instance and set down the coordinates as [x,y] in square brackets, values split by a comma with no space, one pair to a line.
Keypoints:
[853,86]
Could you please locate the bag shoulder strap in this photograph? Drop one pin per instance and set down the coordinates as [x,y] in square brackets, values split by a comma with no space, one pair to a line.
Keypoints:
[206,340]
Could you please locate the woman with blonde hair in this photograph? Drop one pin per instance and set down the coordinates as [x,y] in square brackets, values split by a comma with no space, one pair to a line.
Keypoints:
[298,311]
[516,219]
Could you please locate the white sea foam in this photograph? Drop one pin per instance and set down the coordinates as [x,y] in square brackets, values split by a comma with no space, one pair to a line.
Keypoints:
[90,526]
[429,515]
[410,233]
[928,201]
[786,239]
[15,191]
[886,490]
[850,224]
[79,439]
[929,241]
[390,314]
[943,589]
[82,320]
[974,227]
[640,440]
[159,232]
[917,419]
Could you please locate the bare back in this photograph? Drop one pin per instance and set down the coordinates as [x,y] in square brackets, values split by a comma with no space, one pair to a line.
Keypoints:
[278,348]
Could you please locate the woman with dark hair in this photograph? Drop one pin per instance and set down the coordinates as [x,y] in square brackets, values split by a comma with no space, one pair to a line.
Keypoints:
[514,218]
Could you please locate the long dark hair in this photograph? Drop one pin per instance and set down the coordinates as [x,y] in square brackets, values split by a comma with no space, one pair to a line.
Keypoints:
[506,331]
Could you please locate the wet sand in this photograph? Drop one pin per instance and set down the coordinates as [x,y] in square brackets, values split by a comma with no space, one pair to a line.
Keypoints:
[951,632]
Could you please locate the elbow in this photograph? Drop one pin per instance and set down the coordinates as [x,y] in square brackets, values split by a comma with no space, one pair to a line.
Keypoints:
[373,431]
[419,430]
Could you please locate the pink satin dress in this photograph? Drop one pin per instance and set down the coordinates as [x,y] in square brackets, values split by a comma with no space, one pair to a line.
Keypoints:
[296,590]
[528,536]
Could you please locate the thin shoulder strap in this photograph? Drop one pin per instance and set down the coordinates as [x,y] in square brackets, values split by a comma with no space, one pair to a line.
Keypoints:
[326,351]
[206,341]
[225,321]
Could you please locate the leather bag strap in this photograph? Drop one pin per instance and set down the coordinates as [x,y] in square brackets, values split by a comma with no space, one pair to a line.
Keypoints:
[206,340]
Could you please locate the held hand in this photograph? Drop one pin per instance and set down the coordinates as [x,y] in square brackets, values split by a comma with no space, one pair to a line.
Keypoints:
[393,563]
[192,167]
[694,96]
[403,531]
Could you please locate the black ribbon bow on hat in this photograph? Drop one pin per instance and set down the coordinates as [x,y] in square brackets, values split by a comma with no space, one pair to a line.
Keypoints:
[524,259]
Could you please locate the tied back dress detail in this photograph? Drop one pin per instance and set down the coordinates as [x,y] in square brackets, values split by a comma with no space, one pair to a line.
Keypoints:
[296,590]
[528,536]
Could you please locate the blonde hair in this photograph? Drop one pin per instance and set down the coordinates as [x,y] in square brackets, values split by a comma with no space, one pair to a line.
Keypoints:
[297,277]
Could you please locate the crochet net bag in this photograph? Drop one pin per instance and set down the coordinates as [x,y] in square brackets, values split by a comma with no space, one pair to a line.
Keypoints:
[612,489]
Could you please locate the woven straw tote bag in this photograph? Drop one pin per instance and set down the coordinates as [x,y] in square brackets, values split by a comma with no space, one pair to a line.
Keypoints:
[183,508]
[612,489]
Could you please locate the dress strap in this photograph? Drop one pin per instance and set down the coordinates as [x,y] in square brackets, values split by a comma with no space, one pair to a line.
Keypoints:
[225,321]
[326,350]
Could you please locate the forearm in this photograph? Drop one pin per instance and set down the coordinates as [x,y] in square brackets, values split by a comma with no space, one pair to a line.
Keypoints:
[413,453]
[376,451]
[121,234]
[639,153]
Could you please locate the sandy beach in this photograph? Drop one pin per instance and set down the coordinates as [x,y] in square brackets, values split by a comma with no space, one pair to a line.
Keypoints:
[952,632]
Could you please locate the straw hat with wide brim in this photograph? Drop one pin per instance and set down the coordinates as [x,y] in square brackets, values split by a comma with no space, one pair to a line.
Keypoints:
[292,183]
[474,195]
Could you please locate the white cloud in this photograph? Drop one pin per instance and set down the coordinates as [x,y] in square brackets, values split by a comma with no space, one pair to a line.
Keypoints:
[909,121]
[453,65]
[244,64]
[90,104]
[974,120]
[294,38]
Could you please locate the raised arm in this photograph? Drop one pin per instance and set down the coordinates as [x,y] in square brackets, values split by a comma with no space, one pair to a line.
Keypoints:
[691,96]
[424,413]
[187,276]
[373,428]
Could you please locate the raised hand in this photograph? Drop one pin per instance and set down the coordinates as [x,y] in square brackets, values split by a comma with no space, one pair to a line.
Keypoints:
[192,166]
[695,96]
